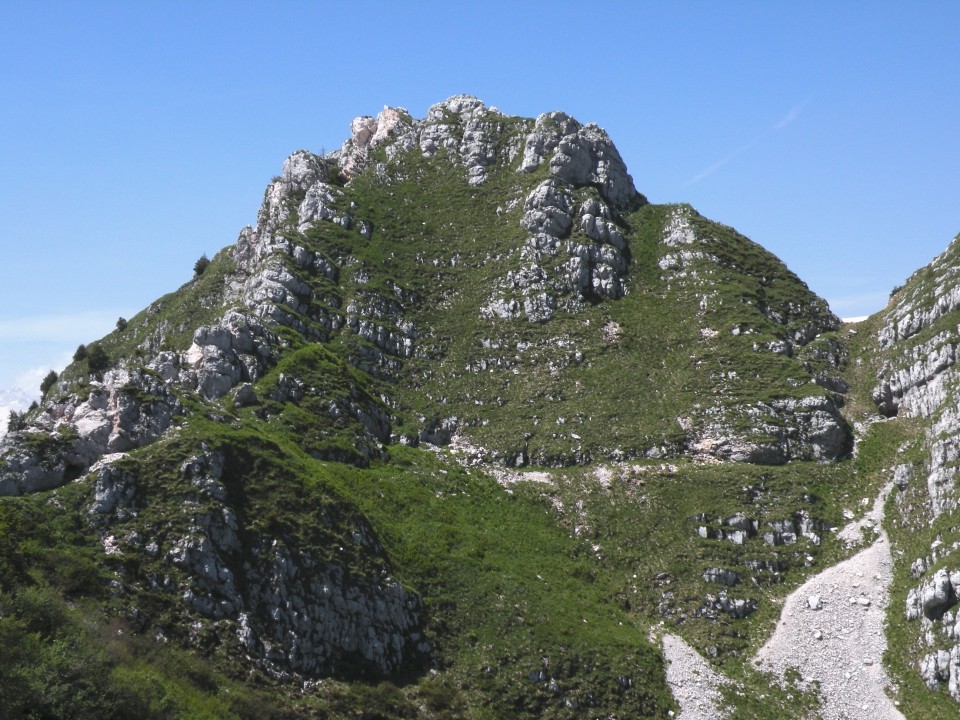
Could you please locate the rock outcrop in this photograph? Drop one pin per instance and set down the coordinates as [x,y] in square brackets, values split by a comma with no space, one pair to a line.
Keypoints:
[123,411]
[919,340]
[933,603]
[293,611]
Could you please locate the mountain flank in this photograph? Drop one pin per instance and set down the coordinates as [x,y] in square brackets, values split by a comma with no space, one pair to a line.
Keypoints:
[449,431]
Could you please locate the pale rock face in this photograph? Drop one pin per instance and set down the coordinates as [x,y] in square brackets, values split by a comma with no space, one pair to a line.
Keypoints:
[464,106]
[547,210]
[362,130]
[581,155]
[931,604]
[318,204]
[548,130]
[113,417]
[302,169]
[908,316]
[721,576]
[808,429]
[582,268]
[366,134]
[919,378]
[475,148]
[241,348]
[25,473]
[112,489]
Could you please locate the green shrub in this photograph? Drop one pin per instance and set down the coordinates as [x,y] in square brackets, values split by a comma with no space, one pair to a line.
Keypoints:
[98,360]
[201,265]
[16,421]
[48,382]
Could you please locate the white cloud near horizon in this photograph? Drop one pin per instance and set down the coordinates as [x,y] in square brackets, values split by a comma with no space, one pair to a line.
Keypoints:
[29,380]
[30,346]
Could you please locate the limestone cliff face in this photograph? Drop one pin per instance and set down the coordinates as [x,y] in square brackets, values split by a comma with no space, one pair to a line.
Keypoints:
[289,606]
[917,380]
[918,341]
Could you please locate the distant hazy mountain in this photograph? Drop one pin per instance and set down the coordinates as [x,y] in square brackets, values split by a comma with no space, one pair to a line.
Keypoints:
[13,399]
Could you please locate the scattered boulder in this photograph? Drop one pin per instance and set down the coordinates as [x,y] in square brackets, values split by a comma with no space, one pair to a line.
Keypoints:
[721,576]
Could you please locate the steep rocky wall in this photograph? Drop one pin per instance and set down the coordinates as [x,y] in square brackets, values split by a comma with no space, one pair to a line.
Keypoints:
[918,378]
[289,606]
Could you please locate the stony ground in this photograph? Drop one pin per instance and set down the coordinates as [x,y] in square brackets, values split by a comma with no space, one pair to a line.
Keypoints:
[692,681]
[832,629]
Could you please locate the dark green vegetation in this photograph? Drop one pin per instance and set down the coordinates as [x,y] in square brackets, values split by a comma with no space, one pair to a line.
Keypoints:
[584,521]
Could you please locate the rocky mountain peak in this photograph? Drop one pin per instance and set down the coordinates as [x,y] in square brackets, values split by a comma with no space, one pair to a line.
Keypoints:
[560,192]
[460,397]
[478,136]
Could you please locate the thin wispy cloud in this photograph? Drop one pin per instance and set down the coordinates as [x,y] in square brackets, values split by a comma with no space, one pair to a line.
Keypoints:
[31,346]
[30,379]
[56,328]
[720,163]
[783,122]
[790,116]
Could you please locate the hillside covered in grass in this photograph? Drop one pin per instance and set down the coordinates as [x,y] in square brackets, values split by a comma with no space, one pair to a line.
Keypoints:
[456,430]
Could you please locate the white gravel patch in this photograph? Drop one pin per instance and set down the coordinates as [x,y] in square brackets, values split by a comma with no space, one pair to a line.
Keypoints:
[694,684]
[832,630]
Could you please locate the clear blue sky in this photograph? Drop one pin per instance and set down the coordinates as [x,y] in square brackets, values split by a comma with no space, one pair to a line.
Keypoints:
[135,136]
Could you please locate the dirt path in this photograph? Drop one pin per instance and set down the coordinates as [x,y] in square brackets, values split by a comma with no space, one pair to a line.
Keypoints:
[832,630]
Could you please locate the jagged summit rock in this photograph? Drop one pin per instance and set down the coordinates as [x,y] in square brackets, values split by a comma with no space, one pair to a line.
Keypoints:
[470,133]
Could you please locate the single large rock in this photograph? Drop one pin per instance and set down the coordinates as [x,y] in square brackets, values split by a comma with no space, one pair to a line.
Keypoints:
[934,597]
